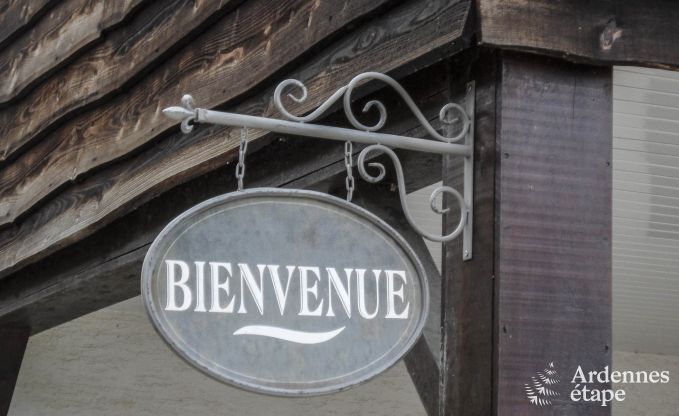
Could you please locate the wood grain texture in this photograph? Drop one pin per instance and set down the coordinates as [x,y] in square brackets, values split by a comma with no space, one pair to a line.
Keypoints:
[62,32]
[123,56]
[467,286]
[12,346]
[553,219]
[231,58]
[407,36]
[17,15]
[605,32]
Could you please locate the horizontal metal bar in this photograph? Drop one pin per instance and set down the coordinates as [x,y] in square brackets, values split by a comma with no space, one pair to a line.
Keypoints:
[332,133]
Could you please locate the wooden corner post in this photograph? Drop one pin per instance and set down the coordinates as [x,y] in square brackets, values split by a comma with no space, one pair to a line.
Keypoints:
[537,293]
[542,242]
[553,182]
[467,286]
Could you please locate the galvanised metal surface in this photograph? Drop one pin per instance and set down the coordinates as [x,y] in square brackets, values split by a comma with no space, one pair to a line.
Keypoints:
[285,292]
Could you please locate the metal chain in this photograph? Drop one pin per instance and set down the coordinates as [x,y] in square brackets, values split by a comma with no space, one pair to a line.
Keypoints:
[240,168]
[349,164]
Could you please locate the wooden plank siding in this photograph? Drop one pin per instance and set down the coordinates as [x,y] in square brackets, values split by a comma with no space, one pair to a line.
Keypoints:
[67,28]
[231,58]
[16,16]
[122,57]
[130,156]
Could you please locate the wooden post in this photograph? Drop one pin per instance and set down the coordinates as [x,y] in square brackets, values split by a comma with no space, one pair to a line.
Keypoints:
[12,346]
[552,230]
[467,286]
[538,289]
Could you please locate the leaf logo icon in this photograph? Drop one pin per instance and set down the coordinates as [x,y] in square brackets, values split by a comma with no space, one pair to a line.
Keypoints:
[540,389]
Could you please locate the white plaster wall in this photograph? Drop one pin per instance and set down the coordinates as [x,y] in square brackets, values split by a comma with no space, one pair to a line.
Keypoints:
[112,362]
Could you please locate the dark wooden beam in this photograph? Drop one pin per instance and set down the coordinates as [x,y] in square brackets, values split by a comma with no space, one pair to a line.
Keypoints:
[467,286]
[626,32]
[552,228]
[12,346]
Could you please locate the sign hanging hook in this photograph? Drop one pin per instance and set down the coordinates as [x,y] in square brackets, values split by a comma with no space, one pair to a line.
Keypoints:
[242,149]
[349,164]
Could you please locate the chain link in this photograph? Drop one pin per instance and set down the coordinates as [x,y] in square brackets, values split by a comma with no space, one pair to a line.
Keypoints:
[240,168]
[349,164]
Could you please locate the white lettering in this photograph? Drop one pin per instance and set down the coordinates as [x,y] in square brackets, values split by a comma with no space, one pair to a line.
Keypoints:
[305,289]
[362,309]
[392,293]
[342,291]
[579,374]
[216,287]
[172,284]
[281,295]
[200,286]
[256,289]
[665,376]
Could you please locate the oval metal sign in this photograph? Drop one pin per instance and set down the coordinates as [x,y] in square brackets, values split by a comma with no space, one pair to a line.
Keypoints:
[285,292]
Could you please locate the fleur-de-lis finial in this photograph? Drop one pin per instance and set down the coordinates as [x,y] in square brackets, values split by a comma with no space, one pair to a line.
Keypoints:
[186,114]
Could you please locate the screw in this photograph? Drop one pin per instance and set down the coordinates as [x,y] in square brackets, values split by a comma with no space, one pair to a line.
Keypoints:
[466,253]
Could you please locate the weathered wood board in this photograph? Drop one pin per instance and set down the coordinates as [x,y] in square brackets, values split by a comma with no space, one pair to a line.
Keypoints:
[624,32]
[17,16]
[394,42]
[121,58]
[67,28]
[230,59]
[553,227]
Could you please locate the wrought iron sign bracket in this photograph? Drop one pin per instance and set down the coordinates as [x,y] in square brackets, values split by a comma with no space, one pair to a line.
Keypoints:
[452,117]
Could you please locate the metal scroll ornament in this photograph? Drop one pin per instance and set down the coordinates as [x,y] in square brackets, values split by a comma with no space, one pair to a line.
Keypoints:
[451,115]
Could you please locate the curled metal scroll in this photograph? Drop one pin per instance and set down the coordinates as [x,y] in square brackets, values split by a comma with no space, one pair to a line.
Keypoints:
[402,192]
[446,115]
